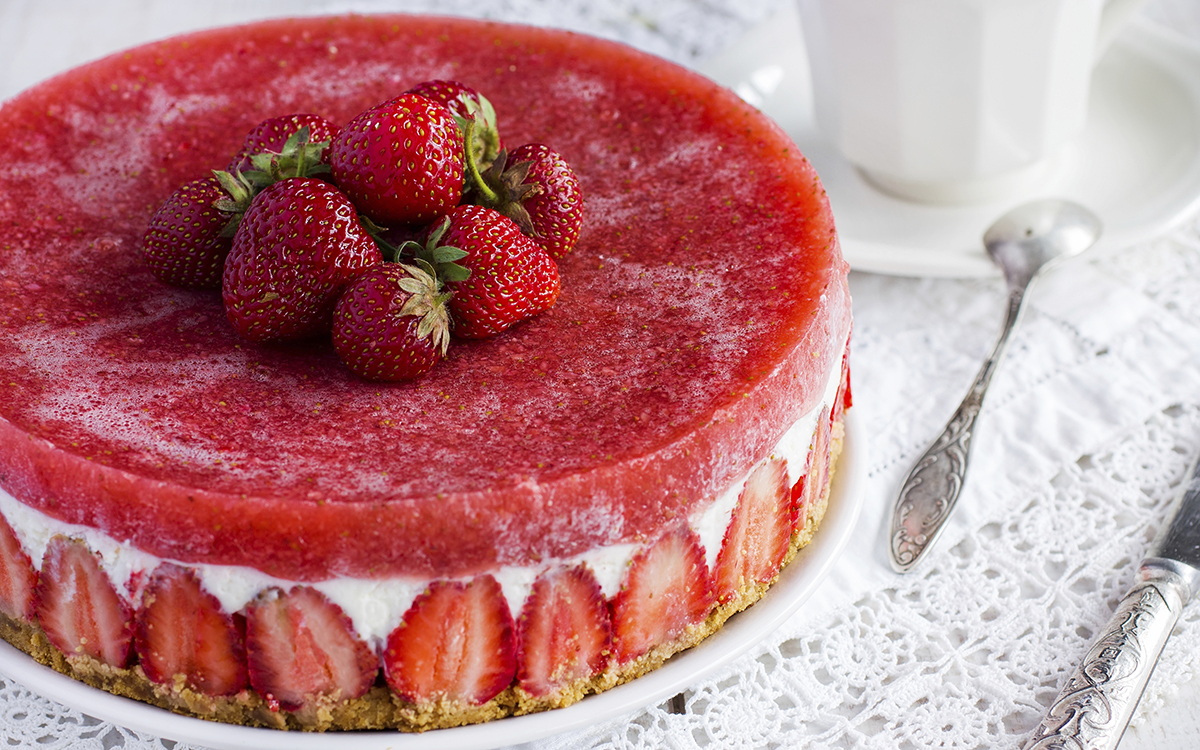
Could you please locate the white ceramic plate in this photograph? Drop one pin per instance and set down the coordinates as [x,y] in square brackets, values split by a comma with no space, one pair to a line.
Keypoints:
[1137,163]
[796,584]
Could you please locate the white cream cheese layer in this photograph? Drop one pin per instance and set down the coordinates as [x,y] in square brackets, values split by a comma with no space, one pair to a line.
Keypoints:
[377,606]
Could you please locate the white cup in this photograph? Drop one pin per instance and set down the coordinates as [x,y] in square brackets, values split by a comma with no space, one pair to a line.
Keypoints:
[955,101]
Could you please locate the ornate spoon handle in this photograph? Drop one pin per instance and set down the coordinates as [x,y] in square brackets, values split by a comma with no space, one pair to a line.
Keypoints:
[935,482]
[1095,705]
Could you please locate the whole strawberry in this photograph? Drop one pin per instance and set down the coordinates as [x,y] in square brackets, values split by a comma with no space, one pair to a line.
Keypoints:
[465,103]
[555,205]
[183,245]
[272,135]
[534,186]
[392,323]
[401,161]
[299,244]
[511,277]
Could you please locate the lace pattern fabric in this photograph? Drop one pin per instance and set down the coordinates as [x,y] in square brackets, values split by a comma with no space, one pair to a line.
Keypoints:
[1089,429]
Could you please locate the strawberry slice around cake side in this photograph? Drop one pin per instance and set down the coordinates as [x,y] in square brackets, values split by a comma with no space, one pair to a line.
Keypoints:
[182,638]
[453,654]
[565,636]
[78,608]
[18,577]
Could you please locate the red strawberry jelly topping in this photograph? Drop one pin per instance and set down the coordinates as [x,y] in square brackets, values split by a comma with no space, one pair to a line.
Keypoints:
[703,311]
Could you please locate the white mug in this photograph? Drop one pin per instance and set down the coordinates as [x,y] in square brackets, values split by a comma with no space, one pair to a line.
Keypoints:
[955,101]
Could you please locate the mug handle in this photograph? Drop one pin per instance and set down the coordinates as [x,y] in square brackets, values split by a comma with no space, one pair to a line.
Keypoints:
[1115,16]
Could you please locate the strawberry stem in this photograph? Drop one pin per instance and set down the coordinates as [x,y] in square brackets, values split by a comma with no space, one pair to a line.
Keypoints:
[503,188]
[391,253]
[477,182]
[239,192]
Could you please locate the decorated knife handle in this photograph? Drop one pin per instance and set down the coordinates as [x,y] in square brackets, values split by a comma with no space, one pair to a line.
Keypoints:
[1095,705]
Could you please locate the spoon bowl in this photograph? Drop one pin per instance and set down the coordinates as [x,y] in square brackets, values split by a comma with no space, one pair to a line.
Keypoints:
[1022,242]
[1027,238]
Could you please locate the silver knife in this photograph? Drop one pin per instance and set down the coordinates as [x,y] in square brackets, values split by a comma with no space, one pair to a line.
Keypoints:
[1095,706]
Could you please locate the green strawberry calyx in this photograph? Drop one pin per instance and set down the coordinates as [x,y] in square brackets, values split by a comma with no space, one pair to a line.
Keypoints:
[299,157]
[442,259]
[239,191]
[427,301]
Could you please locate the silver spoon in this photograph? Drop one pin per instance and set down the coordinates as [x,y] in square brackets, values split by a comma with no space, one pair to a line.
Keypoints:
[1022,242]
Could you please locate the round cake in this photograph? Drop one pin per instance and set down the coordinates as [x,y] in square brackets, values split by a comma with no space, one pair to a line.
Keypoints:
[251,533]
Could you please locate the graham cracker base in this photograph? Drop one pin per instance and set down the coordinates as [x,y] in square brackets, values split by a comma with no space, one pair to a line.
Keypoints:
[379,708]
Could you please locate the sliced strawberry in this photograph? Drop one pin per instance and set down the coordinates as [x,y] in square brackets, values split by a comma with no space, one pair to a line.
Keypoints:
[77,606]
[18,579]
[300,647]
[666,589]
[757,538]
[455,644]
[564,631]
[810,487]
[180,630]
[843,400]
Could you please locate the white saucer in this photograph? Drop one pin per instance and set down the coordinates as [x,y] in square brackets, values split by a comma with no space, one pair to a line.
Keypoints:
[1137,163]
[796,584]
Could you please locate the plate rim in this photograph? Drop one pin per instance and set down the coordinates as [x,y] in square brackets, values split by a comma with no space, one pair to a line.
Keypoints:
[796,584]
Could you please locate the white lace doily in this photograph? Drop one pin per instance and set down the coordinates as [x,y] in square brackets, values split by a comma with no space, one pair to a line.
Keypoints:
[1088,430]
